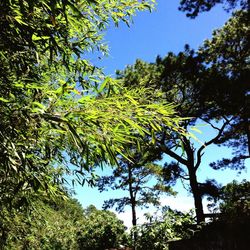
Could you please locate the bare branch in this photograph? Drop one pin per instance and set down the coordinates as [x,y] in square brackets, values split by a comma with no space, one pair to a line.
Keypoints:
[199,152]
[211,124]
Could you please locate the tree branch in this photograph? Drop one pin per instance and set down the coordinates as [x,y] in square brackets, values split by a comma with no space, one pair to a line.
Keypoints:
[171,153]
[211,124]
[199,152]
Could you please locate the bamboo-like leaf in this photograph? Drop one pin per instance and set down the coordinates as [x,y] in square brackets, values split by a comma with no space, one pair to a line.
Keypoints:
[4,100]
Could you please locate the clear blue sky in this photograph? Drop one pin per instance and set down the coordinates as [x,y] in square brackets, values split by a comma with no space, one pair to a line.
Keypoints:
[165,29]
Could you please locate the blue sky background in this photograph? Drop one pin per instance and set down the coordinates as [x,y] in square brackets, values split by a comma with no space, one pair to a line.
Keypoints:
[151,34]
[165,29]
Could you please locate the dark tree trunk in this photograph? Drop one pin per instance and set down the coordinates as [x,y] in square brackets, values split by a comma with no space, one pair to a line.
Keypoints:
[189,163]
[132,197]
[133,214]
[192,168]
[197,195]
[133,204]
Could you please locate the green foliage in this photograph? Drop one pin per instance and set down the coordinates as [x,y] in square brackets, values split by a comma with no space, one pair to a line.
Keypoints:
[54,102]
[228,51]
[59,114]
[181,78]
[48,225]
[101,230]
[63,224]
[235,200]
[171,225]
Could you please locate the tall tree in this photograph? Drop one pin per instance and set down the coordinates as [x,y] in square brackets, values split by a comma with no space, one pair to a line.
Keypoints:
[139,177]
[176,75]
[193,86]
[228,52]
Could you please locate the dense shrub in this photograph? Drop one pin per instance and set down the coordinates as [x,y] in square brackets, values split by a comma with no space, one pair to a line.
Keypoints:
[170,225]
[101,230]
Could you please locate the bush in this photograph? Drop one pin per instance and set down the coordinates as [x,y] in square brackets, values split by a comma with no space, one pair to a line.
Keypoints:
[170,225]
[101,230]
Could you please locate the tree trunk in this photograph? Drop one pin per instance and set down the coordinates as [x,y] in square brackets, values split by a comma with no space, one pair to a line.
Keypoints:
[133,214]
[197,195]
[192,168]
[133,205]
[189,163]
[132,197]
[134,234]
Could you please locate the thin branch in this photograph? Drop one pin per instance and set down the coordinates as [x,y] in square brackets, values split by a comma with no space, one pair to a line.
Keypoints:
[184,177]
[211,124]
[199,152]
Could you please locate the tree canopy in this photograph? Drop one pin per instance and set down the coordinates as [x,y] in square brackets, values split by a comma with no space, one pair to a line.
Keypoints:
[160,229]
[234,201]
[194,7]
[228,52]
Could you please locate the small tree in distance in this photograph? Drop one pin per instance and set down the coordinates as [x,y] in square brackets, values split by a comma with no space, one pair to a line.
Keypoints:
[139,177]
